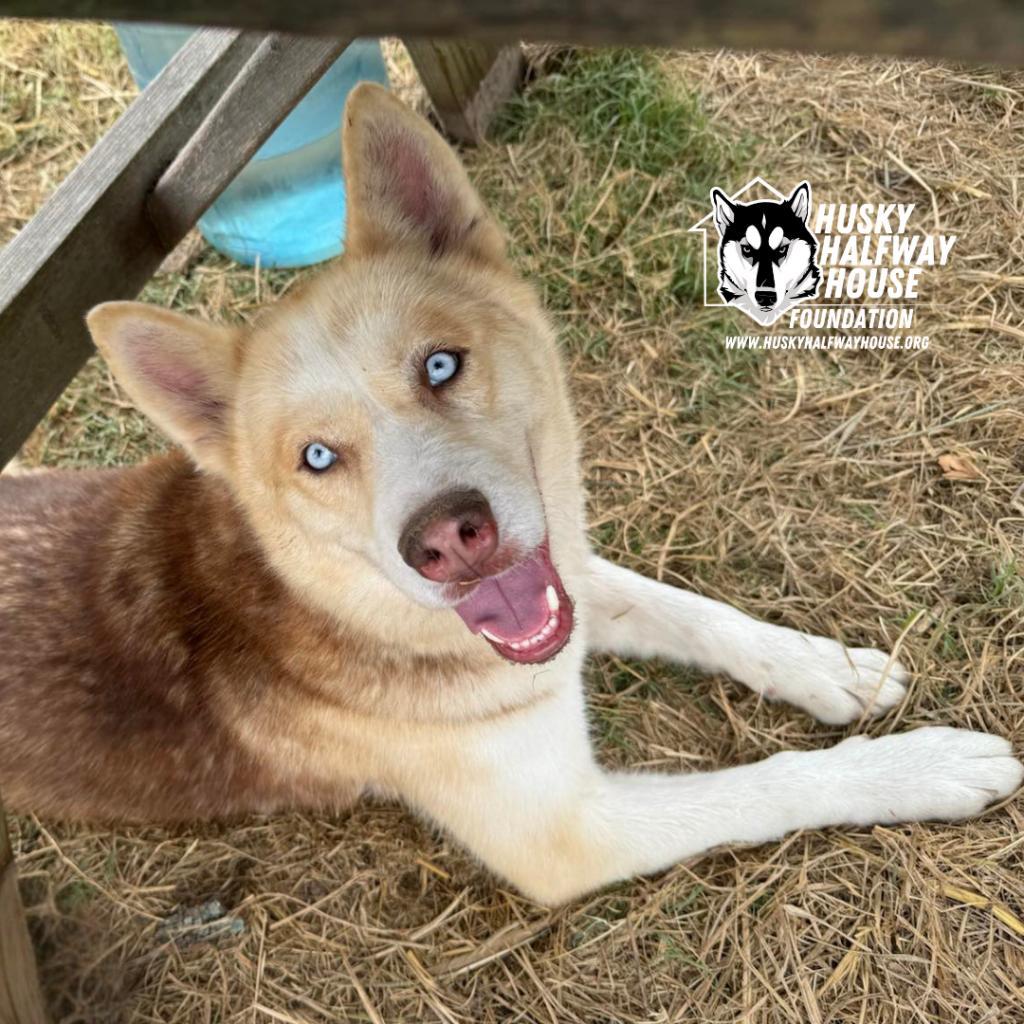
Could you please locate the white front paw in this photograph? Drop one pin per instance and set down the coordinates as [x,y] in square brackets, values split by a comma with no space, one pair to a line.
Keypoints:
[937,773]
[833,683]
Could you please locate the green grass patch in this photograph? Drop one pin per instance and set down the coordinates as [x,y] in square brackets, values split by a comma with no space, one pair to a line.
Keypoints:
[638,155]
[1005,586]
[620,105]
[73,896]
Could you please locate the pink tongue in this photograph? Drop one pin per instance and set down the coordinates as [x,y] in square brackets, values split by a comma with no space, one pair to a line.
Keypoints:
[513,605]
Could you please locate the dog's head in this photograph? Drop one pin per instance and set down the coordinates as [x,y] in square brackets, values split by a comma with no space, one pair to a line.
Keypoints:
[398,429]
[766,253]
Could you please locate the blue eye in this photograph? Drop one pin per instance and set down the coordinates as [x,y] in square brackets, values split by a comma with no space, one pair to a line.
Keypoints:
[441,367]
[318,457]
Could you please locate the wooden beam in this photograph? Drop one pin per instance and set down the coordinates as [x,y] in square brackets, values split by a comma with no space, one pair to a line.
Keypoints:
[467,81]
[266,90]
[21,1002]
[973,30]
[100,236]
[91,240]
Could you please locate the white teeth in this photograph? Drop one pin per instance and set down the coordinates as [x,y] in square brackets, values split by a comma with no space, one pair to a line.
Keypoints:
[540,636]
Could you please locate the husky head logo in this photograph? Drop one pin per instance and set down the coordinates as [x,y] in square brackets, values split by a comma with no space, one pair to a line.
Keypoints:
[766,254]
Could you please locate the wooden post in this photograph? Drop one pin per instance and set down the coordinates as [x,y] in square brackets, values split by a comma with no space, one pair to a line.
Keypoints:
[105,230]
[21,1002]
[990,31]
[467,81]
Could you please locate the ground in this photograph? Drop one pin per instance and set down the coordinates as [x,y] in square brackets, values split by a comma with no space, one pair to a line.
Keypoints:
[801,487]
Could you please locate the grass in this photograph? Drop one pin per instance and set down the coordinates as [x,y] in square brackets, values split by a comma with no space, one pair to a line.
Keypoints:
[803,488]
[638,146]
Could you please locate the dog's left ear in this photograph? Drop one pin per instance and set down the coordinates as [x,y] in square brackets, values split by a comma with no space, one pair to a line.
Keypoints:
[800,201]
[180,372]
[405,187]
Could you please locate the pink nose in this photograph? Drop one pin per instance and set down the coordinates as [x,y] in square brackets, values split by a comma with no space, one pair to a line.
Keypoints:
[453,548]
[457,536]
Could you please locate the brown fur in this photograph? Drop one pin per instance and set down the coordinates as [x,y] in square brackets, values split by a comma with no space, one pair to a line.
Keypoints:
[204,635]
[139,622]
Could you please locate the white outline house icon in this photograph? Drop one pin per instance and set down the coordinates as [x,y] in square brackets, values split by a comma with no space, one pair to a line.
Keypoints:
[697,228]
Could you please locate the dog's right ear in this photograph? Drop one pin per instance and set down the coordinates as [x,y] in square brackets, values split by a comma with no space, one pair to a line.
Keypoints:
[725,212]
[179,371]
[405,187]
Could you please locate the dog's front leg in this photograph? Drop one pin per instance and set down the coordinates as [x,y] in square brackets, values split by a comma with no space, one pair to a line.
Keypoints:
[637,617]
[524,795]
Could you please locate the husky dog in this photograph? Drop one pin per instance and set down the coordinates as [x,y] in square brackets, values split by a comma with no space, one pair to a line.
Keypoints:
[367,570]
[766,254]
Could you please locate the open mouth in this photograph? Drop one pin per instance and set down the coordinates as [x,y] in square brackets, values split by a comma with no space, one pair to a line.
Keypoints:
[524,612]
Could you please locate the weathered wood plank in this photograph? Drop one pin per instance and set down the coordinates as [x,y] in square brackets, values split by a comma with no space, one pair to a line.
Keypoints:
[91,240]
[976,30]
[273,81]
[467,81]
[97,237]
[20,999]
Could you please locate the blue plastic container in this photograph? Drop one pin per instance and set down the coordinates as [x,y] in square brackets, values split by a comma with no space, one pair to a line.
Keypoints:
[287,206]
